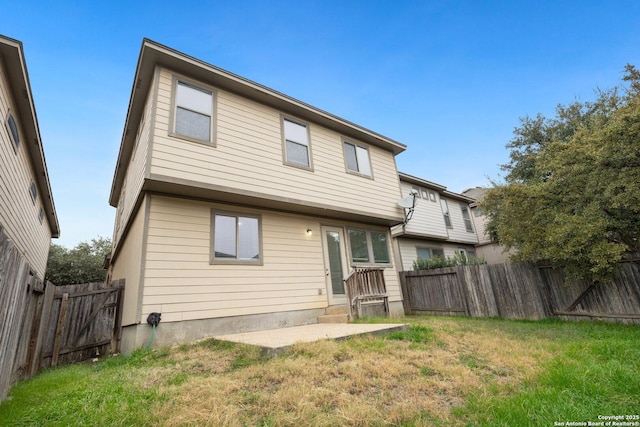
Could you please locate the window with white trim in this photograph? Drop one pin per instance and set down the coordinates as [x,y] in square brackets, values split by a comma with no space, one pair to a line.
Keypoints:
[33,191]
[467,218]
[296,143]
[236,238]
[12,128]
[193,114]
[357,158]
[369,247]
[445,213]
[424,252]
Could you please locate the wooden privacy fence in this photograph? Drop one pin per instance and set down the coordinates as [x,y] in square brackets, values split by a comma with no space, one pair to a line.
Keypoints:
[521,291]
[42,326]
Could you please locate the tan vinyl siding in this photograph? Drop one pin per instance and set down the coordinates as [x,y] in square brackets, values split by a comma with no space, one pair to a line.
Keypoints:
[134,178]
[127,266]
[18,214]
[409,252]
[248,156]
[427,218]
[459,232]
[182,284]
[480,224]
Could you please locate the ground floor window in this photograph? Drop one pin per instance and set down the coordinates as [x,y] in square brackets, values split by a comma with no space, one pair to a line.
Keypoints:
[428,252]
[236,238]
[369,247]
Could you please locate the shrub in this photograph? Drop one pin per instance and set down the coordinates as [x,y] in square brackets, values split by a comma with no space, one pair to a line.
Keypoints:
[442,262]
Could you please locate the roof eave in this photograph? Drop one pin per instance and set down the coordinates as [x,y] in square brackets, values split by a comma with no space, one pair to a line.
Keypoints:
[13,54]
[153,54]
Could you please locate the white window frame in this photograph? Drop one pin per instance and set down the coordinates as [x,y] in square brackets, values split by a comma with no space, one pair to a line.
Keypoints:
[15,138]
[430,249]
[33,192]
[292,139]
[178,80]
[432,196]
[228,261]
[371,261]
[359,149]
[446,214]
[468,222]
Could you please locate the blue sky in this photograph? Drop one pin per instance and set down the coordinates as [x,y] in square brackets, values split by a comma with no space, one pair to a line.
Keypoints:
[450,79]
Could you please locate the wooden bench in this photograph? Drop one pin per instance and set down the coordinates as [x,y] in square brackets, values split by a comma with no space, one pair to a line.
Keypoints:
[366,285]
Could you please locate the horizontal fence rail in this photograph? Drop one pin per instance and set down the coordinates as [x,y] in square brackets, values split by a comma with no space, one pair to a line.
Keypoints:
[521,291]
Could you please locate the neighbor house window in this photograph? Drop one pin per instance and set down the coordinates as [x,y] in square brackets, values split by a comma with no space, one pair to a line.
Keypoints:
[33,191]
[426,252]
[467,218]
[296,143]
[445,213]
[369,247]
[357,158]
[424,194]
[236,238]
[432,196]
[193,112]
[12,127]
[41,215]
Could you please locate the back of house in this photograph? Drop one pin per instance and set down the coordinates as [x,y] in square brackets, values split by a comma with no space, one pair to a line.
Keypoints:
[240,208]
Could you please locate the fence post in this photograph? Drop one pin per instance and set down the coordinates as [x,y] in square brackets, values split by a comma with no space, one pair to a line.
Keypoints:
[117,324]
[406,304]
[64,305]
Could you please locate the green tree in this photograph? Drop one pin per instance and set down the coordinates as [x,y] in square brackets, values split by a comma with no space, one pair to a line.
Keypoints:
[82,264]
[572,187]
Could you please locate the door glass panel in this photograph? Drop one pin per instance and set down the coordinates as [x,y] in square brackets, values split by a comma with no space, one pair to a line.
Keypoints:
[335,262]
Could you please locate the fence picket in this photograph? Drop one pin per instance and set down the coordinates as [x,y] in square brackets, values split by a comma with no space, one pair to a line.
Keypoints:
[521,291]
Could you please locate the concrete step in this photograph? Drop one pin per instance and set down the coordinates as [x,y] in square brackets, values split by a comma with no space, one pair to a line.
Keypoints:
[337,309]
[333,318]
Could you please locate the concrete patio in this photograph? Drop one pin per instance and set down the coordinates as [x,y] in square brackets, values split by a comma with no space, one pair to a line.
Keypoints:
[275,341]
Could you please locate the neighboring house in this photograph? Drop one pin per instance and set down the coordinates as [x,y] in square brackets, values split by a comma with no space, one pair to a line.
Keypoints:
[27,213]
[492,253]
[240,208]
[441,224]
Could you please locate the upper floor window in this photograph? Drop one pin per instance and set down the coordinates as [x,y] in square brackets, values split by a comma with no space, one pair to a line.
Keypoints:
[12,127]
[41,215]
[193,115]
[357,158]
[467,218]
[445,213]
[236,238]
[296,143]
[369,247]
[432,196]
[33,191]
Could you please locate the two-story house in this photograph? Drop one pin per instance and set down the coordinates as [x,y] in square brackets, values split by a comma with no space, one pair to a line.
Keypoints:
[440,225]
[27,212]
[240,208]
[491,252]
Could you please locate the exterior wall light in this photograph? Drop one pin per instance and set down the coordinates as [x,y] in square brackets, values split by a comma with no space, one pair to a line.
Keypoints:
[309,232]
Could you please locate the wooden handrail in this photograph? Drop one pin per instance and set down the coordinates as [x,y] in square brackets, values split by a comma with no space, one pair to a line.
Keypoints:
[366,284]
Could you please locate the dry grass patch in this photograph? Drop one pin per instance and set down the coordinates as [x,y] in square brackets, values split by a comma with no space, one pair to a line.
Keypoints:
[407,377]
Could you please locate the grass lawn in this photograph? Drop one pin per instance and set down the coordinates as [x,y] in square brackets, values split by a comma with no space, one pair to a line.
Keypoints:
[443,371]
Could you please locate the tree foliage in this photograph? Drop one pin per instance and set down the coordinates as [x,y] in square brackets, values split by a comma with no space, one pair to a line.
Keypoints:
[572,186]
[82,264]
